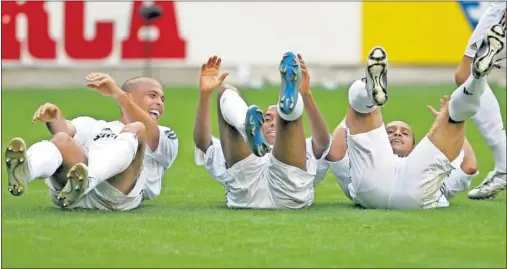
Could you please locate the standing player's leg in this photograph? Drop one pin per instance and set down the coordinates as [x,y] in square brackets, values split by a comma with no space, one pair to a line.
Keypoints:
[489,121]
[465,100]
[45,159]
[117,161]
[489,117]
[232,110]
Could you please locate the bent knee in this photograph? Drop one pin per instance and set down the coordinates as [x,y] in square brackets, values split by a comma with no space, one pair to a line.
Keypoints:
[62,140]
[137,128]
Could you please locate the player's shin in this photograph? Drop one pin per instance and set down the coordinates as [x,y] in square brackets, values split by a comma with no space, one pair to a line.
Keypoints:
[465,100]
[44,159]
[490,124]
[359,99]
[41,160]
[233,109]
[111,159]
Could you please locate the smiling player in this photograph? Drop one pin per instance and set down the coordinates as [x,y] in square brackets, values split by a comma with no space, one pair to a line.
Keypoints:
[126,158]
[254,174]
[378,176]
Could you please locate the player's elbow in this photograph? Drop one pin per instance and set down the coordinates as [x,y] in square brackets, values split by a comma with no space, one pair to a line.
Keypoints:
[469,169]
[202,144]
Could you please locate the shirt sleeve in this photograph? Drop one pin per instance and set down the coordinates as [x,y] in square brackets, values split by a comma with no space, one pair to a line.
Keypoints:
[341,170]
[167,149]
[309,149]
[457,180]
[84,128]
[322,167]
[213,159]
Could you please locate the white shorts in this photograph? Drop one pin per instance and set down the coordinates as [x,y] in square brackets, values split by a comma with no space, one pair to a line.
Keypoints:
[268,183]
[290,187]
[103,197]
[381,179]
[494,14]
[246,185]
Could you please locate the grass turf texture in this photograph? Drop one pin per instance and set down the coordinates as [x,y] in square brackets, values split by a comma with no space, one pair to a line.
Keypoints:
[189,225]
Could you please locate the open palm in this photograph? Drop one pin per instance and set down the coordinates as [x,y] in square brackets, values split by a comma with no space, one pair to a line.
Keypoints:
[210,75]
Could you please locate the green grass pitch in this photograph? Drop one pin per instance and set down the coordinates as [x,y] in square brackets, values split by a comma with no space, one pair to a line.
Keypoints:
[189,225]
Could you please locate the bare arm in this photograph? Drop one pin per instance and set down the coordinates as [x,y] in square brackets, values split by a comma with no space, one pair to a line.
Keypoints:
[107,86]
[318,125]
[61,125]
[338,144]
[134,113]
[210,79]
[469,163]
[55,121]
[202,124]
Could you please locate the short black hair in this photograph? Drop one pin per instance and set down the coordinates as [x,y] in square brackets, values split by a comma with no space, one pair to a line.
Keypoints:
[126,87]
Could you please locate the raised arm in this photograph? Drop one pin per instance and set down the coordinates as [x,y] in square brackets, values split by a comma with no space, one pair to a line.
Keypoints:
[55,121]
[469,163]
[107,86]
[318,125]
[210,79]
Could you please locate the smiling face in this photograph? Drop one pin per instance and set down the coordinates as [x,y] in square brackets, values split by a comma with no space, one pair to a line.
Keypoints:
[147,93]
[269,127]
[401,137]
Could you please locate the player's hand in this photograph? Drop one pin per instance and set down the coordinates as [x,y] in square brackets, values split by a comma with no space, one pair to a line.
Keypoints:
[444,105]
[210,75]
[304,86]
[103,83]
[46,113]
[433,111]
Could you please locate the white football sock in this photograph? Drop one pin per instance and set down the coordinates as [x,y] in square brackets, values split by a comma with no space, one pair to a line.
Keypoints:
[111,159]
[44,159]
[296,113]
[359,99]
[465,100]
[233,109]
[489,122]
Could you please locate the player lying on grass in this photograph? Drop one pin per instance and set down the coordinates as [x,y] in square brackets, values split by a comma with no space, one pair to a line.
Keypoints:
[489,116]
[253,175]
[402,140]
[126,158]
[380,178]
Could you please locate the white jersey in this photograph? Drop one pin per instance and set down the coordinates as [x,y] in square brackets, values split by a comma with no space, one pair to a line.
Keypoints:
[155,164]
[249,184]
[456,181]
